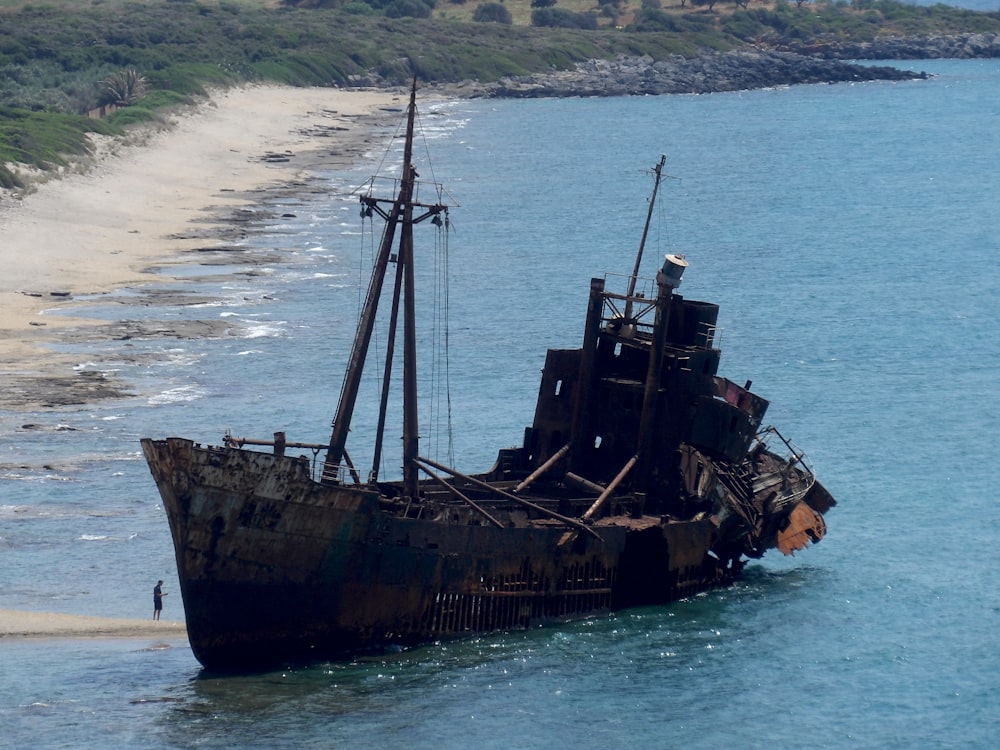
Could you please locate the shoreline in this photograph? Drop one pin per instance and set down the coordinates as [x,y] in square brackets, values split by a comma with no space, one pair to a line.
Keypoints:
[17,624]
[144,205]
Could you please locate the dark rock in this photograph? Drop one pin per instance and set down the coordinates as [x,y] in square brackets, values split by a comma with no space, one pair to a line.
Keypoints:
[949,46]
[724,71]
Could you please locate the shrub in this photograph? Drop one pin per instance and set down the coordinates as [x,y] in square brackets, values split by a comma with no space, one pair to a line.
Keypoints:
[408,9]
[492,13]
[563,19]
[358,8]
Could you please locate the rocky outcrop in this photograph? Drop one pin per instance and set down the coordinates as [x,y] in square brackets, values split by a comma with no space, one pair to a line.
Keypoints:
[726,71]
[951,46]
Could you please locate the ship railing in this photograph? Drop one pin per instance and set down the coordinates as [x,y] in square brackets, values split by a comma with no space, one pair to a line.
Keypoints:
[325,474]
[344,474]
[628,315]
[645,287]
[794,461]
[713,335]
[318,469]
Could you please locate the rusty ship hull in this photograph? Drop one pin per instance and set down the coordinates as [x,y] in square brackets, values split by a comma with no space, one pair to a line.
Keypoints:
[275,567]
[644,477]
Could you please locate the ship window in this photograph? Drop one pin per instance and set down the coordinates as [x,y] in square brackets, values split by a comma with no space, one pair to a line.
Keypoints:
[618,349]
[559,387]
[597,441]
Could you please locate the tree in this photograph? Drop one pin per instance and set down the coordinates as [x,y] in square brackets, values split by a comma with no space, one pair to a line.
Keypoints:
[408,9]
[125,87]
[492,13]
[542,3]
[359,8]
[563,19]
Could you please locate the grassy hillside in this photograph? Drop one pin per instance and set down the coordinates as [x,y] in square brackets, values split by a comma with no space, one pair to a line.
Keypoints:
[63,58]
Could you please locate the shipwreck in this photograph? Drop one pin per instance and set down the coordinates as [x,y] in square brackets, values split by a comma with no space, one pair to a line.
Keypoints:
[644,477]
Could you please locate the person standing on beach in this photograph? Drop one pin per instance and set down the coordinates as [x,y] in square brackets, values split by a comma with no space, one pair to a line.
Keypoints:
[158,599]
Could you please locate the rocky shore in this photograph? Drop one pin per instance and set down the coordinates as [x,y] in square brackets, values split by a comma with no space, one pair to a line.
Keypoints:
[951,46]
[779,64]
[738,70]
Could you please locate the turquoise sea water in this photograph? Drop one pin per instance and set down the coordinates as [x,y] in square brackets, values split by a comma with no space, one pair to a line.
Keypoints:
[850,235]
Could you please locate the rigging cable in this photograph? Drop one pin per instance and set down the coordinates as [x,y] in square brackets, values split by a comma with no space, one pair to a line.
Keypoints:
[440,385]
[447,341]
[441,372]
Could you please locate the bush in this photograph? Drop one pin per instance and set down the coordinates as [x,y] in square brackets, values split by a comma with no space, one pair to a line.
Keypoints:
[492,13]
[563,19]
[358,8]
[407,9]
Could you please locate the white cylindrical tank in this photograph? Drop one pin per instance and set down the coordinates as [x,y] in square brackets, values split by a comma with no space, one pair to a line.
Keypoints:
[672,270]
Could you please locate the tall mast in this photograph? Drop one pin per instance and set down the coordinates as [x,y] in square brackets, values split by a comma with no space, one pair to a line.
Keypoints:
[401,212]
[657,172]
[410,428]
[366,325]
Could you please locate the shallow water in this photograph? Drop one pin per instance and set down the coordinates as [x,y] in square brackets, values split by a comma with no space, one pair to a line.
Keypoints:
[848,233]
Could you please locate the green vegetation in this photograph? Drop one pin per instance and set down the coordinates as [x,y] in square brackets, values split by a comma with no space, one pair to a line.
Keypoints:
[61,59]
[43,139]
[492,13]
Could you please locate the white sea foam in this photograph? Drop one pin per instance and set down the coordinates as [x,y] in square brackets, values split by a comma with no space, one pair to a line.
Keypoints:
[262,330]
[177,358]
[177,395]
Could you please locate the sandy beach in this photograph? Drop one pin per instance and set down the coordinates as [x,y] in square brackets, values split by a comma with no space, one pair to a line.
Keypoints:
[145,204]
[20,624]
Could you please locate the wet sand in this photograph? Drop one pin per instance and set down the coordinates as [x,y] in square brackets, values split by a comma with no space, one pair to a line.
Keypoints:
[21,624]
[139,207]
